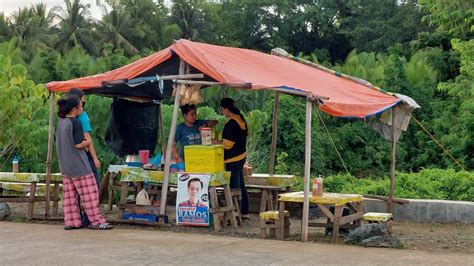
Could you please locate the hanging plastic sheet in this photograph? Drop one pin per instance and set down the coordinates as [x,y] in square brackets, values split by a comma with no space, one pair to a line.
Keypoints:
[132,127]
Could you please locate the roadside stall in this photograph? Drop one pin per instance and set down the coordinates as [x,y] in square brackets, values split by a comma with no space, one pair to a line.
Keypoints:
[190,63]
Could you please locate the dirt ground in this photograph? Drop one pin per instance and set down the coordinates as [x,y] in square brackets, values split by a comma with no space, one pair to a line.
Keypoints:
[49,244]
[433,238]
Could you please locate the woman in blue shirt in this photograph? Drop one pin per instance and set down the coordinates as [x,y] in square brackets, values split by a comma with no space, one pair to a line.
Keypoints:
[187,133]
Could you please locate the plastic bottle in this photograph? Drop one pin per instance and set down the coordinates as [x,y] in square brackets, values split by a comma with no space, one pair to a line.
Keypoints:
[320,181]
[315,186]
[318,186]
[15,165]
[206,136]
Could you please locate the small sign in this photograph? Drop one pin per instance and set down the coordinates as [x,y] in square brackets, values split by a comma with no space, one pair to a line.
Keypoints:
[192,204]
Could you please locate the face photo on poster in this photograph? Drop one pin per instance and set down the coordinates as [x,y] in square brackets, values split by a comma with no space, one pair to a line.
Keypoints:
[192,204]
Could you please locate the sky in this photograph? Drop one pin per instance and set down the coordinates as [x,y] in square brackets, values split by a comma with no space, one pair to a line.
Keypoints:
[10,6]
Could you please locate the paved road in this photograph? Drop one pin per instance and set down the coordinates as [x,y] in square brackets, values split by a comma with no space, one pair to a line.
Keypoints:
[38,244]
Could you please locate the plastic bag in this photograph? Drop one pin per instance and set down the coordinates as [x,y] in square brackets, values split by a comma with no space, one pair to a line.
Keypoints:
[142,198]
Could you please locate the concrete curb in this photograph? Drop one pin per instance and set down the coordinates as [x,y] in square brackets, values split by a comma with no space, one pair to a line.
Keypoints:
[427,211]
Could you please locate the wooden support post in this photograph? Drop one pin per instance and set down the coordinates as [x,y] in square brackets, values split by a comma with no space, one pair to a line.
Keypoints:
[271,165]
[164,189]
[31,201]
[392,164]
[56,198]
[162,131]
[49,155]
[307,170]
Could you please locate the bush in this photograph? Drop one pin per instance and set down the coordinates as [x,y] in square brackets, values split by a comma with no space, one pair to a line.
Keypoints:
[426,184]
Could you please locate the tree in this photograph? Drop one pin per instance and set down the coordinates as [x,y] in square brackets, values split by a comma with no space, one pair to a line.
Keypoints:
[31,26]
[453,16]
[23,111]
[5,30]
[75,27]
[115,27]
[377,25]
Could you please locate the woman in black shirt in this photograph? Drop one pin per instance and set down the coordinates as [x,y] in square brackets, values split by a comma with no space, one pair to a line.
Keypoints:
[235,153]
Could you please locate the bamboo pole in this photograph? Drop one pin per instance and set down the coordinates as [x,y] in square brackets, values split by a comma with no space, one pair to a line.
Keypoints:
[214,83]
[164,190]
[271,166]
[162,131]
[307,170]
[392,164]
[49,155]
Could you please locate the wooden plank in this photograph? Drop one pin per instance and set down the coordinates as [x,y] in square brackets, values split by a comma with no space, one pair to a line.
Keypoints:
[307,171]
[111,190]
[263,200]
[123,198]
[271,165]
[49,155]
[103,186]
[330,225]
[164,189]
[56,198]
[162,131]
[392,164]
[360,208]
[31,203]
[221,209]
[395,200]
[336,221]
[215,209]
[326,211]
[269,201]
[183,76]
[280,223]
[350,218]
[229,203]
[22,199]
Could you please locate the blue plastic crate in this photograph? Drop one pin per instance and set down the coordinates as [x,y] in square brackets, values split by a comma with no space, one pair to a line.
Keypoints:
[139,217]
[135,164]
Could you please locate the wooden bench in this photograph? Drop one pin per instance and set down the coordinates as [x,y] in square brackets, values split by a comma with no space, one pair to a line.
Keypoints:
[379,217]
[280,229]
[31,182]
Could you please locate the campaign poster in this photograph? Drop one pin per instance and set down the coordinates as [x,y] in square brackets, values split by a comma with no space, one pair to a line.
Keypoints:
[192,204]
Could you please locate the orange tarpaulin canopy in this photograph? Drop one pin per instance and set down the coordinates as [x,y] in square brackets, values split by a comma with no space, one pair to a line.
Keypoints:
[346,98]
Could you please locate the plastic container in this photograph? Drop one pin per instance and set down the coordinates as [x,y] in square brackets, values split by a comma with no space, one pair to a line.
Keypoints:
[15,165]
[318,186]
[144,156]
[206,133]
[204,158]
[133,161]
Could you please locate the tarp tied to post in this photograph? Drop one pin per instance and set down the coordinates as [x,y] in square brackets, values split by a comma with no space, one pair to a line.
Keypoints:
[341,97]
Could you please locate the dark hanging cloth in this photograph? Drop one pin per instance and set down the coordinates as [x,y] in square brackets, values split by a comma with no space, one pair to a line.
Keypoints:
[132,127]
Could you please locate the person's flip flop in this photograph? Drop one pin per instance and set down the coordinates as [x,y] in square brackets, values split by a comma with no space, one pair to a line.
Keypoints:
[104,226]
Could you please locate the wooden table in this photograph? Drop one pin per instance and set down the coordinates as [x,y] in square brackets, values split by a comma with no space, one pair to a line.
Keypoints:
[120,177]
[270,186]
[338,201]
[32,181]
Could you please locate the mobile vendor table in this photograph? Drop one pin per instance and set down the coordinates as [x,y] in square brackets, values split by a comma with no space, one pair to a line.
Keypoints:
[32,183]
[336,220]
[120,177]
